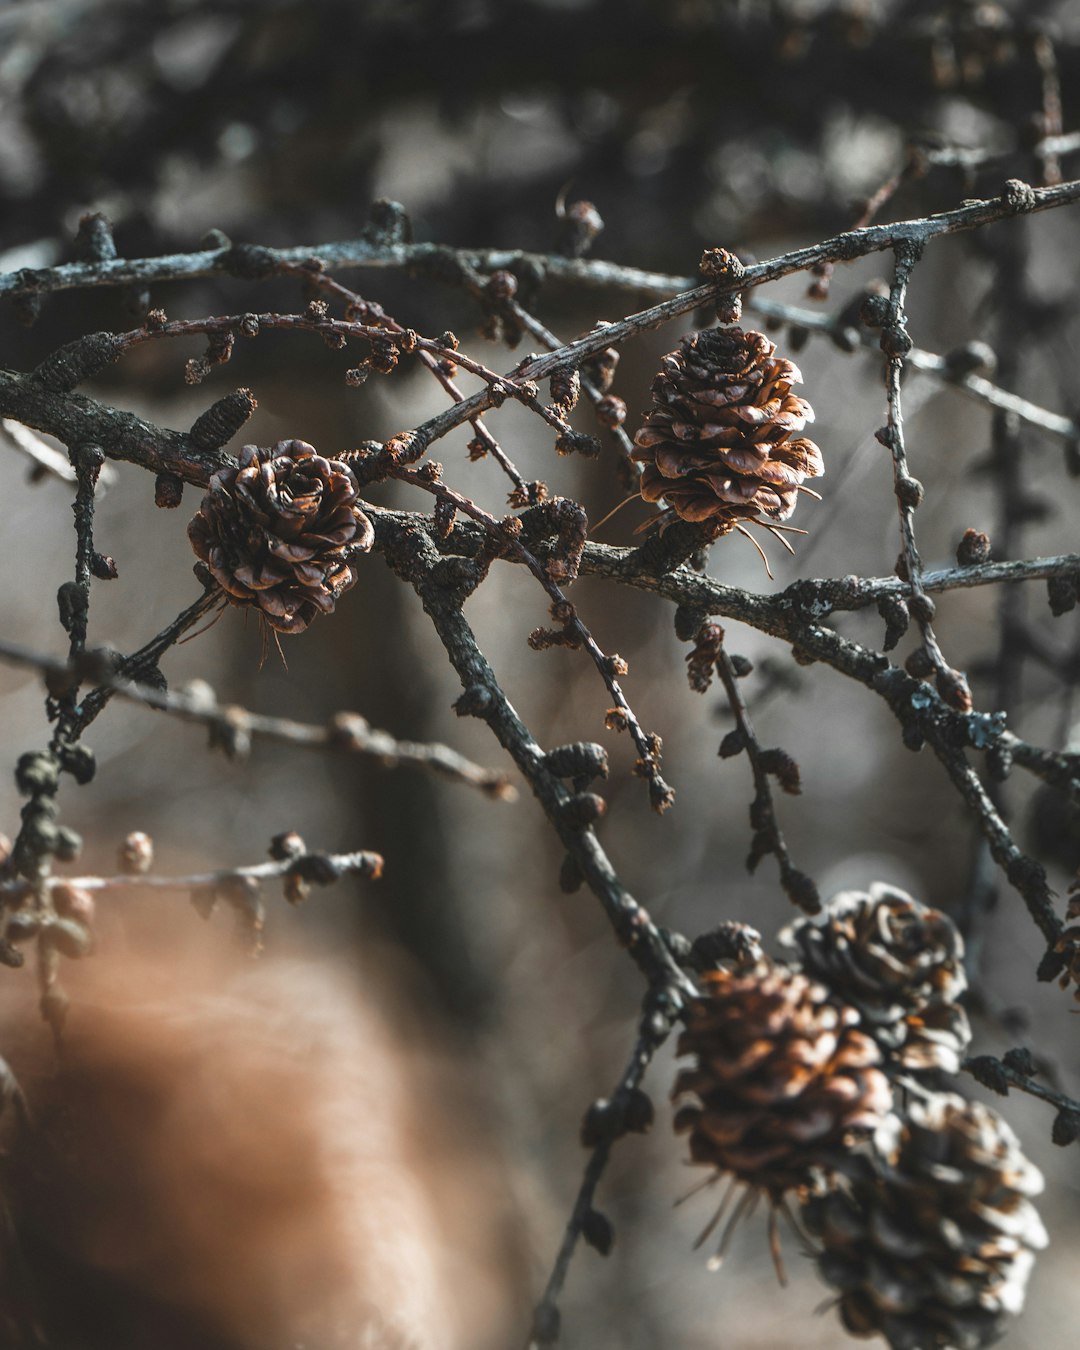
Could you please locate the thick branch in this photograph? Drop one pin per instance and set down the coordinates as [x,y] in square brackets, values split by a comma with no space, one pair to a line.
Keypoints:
[77,420]
[414,558]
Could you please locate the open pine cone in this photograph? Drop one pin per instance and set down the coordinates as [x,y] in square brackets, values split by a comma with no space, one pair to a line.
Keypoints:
[783,1078]
[717,444]
[900,964]
[274,530]
[931,1243]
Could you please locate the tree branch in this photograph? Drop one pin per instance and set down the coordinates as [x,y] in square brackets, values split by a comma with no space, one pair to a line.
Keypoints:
[361,252]
[414,557]
[233,727]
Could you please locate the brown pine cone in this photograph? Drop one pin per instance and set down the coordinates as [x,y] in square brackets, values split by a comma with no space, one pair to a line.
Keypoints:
[783,1078]
[717,444]
[274,531]
[930,1241]
[900,964]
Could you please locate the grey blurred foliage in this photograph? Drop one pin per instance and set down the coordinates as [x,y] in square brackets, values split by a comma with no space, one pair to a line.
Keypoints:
[689,124]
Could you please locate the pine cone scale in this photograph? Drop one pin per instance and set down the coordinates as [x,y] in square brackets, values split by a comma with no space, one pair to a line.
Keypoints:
[289,552]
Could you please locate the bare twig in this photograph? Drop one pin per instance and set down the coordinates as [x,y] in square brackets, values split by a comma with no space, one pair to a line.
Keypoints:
[369,865]
[592,392]
[768,836]
[992,1072]
[1059,769]
[143,664]
[924,716]
[566,614]
[233,726]
[415,558]
[1046,150]
[896,344]
[546,1319]
[914,166]
[977,387]
[365,253]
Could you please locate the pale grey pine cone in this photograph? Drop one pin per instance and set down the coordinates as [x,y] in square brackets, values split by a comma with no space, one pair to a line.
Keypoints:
[900,964]
[931,1237]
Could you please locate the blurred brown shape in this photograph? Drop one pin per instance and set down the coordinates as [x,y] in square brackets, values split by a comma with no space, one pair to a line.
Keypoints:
[243,1156]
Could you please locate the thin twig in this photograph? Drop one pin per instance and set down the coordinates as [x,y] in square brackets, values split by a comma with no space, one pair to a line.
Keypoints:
[546,1319]
[896,343]
[926,362]
[415,558]
[347,732]
[436,362]
[47,462]
[1045,151]
[363,864]
[660,794]
[144,662]
[1059,769]
[922,713]
[768,836]
[594,394]
[365,253]
[1021,1081]
[915,166]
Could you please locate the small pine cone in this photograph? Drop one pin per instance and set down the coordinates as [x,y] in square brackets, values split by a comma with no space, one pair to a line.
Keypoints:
[900,964]
[274,532]
[931,1242]
[783,1078]
[717,444]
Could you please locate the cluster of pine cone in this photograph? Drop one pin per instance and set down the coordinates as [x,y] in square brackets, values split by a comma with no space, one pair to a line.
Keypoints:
[821,1079]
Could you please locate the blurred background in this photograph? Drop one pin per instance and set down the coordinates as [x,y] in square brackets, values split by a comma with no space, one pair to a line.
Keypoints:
[688,124]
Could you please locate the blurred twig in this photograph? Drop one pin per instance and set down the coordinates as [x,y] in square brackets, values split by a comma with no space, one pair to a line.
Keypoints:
[931,363]
[233,726]
[583,1216]
[333,865]
[47,462]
